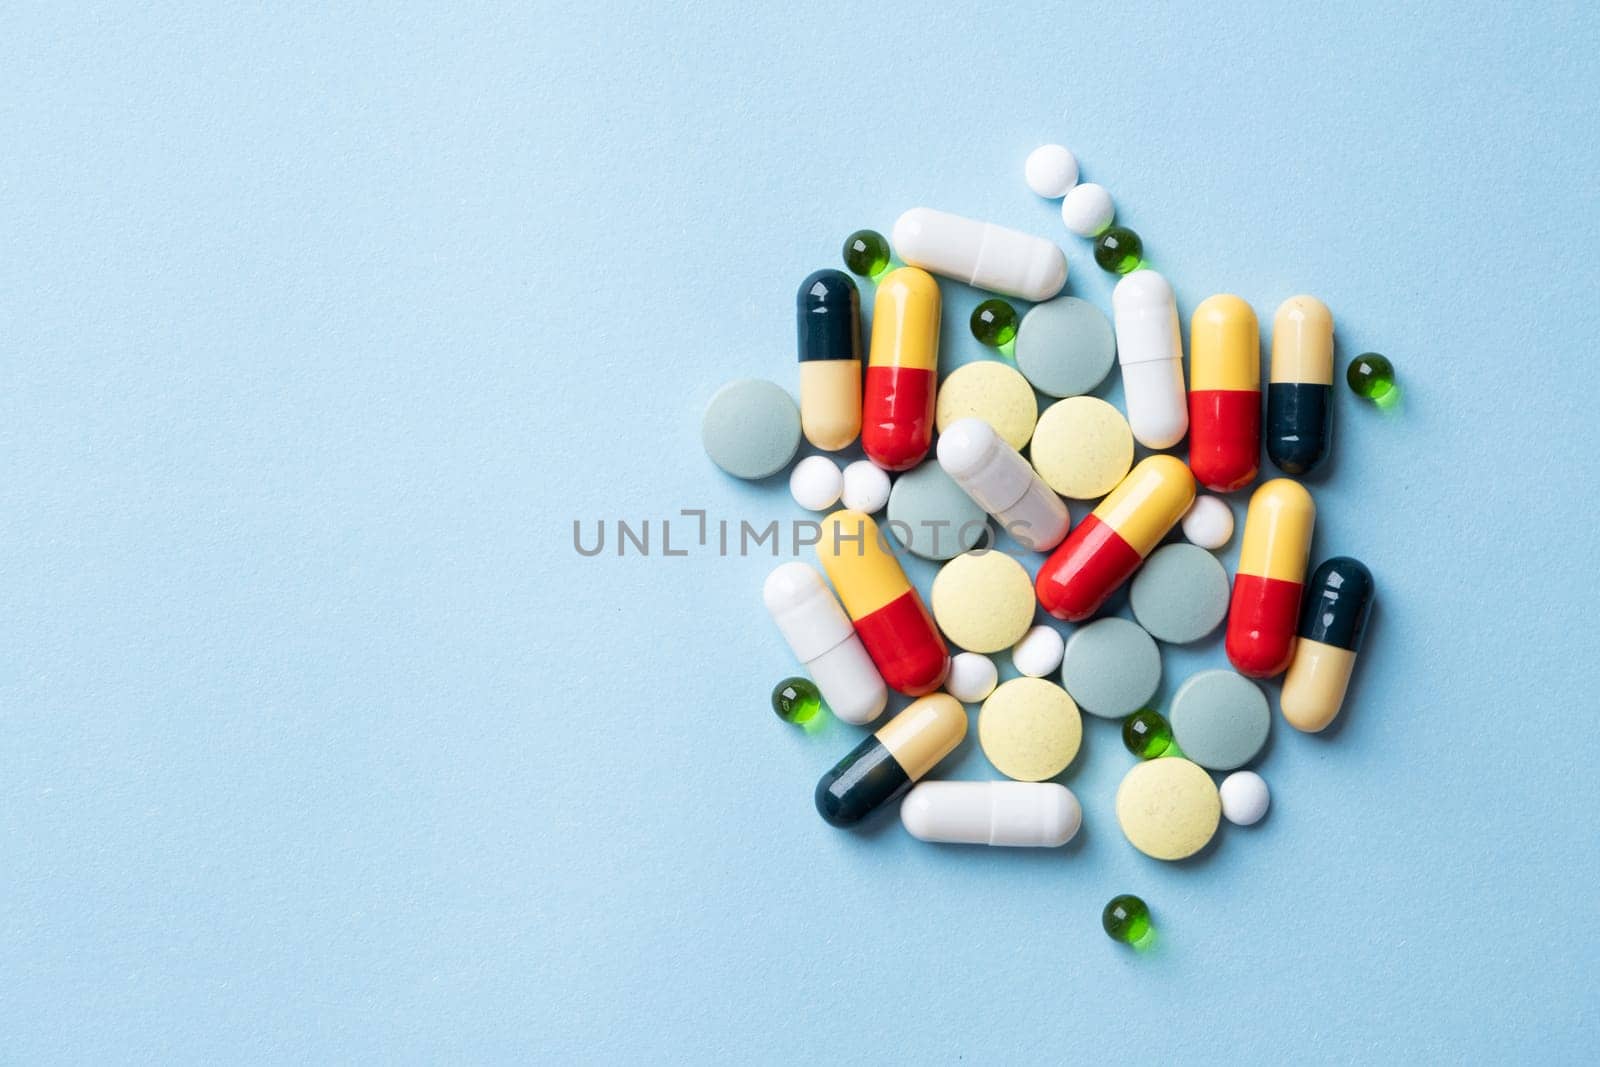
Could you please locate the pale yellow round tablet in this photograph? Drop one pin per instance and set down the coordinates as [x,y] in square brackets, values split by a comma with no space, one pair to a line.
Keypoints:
[1082,447]
[1030,729]
[983,601]
[993,392]
[1168,807]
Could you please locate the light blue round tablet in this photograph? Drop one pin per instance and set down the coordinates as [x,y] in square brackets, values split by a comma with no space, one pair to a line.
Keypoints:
[751,428]
[1220,719]
[931,516]
[1065,346]
[1180,594]
[1111,668]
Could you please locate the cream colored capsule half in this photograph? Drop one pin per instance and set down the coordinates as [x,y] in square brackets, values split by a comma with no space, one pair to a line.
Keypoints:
[830,402]
[1313,690]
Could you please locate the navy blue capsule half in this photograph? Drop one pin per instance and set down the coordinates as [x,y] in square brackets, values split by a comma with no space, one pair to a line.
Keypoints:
[1338,601]
[1298,422]
[863,781]
[828,315]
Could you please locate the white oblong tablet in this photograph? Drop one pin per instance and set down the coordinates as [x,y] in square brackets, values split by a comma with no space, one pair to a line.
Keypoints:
[1004,484]
[1150,350]
[981,254]
[822,638]
[1015,814]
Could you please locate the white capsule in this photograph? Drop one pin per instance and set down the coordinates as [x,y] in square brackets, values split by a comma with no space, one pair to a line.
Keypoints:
[815,483]
[1019,814]
[1004,484]
[972,677]
[1050,171]
[821,637]
[980,254]
[1244,798]
[866,487]
[1150,349]
[1039,652]
[1088,210]
[1208,522]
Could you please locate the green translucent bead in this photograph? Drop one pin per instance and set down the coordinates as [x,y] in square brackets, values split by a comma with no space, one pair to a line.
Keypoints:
[796,700]
[994,323]
[1127,919]
[1371,376]
[1118,250]
[866,253]
[1146,734]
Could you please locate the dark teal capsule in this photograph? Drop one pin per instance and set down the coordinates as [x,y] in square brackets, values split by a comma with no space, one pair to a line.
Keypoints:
[828,316]
[1300,387]
[1338,601]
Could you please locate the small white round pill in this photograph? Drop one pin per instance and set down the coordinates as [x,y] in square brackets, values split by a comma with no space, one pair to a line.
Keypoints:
[815,483]
[1051,170]
[1244,798]
[1208,522]
[1087,210]
[866,487]
[1039,652]
[972,677]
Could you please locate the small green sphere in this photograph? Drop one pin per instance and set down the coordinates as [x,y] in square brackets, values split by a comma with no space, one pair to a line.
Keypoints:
[1126,919]
[796,700]
[1146,734]
[866,253]
[1371,376]
[1118,250]
[994,323]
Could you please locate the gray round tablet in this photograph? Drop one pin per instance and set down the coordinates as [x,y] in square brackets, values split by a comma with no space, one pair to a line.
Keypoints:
[931,516]
[1065,346]
[1220,719]
[1111,668]
[751,428]
[1180,594]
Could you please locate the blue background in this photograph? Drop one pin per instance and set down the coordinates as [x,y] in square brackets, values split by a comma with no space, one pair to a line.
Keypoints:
[318,739]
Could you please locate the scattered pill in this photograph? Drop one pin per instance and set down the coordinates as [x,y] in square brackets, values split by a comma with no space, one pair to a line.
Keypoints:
[1150,351]
[1017,814]
[820,636]
[1111,668]
[751,428]
[1265,609]
[1087,209]
[902,364]
[932,516]
[866,253]
[981,254]
[994,323]
[889,616]
[1300,385]
[1180,594]
[1029,729]
[886,764]
[973,677]
[1168,808]
[983,601]
[997,479]
[1065,347]
[1118,250]
[1146,734]
[816,482]
[1371,377]
[1224,394]
[991,391]
[1082,447]
[1245,798]
[866,487]
[796,700]
[1338,602]
[828,325]
[1039,652]
[1220,719]
[1051,170]
[1127,919]
[1208,522]
[1108,546]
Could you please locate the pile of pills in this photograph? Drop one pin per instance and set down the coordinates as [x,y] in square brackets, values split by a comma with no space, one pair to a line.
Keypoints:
[1018,444]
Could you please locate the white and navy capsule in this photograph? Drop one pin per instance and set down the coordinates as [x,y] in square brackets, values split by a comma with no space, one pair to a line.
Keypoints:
[1004,484]
[820,634]
[981,254]
[1017,814]
[1338,602]
[1150,351]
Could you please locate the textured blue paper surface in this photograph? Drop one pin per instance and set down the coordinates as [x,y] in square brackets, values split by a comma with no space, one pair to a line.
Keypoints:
[318,740]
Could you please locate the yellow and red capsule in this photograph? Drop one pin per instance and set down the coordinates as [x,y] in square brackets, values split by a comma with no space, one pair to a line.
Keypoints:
[902,370]
[889,616]
[1108,546]
[1265,608]
[1224,394]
